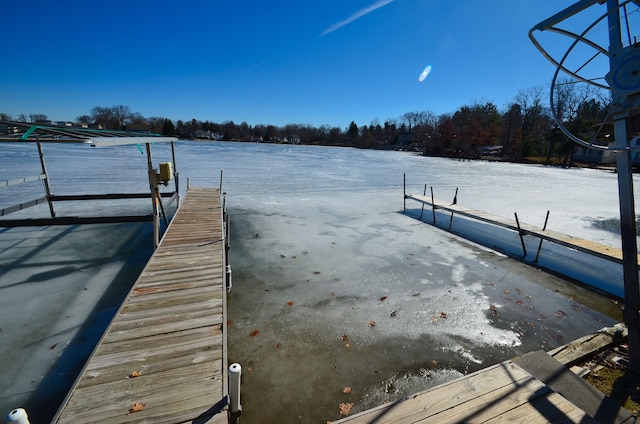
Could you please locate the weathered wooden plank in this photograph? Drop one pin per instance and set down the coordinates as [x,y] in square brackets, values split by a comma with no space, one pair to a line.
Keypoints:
[487,384]
[169,310]
[157,345]
[492,403]
[544,409]
[165,327]
[153,300]
[159,400]
[182,273]
[183,259]
[122,370]
[175,283]
[586,346]
[146,385]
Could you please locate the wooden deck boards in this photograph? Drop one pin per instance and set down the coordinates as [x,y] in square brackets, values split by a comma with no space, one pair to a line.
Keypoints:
[526,389]
[170,330]
[498,394]
[586,246]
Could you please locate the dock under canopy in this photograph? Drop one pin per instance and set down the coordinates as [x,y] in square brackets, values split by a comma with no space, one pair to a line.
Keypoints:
[20,132]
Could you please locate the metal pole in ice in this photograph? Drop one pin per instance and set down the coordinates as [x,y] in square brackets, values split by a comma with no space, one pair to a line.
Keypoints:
[235,370]
[18,416]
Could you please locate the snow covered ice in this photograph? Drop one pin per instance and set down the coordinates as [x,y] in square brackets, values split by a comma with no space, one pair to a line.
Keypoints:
[333,286]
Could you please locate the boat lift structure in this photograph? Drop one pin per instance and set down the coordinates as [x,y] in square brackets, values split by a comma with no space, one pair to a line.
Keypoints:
[20,132]
[620,53]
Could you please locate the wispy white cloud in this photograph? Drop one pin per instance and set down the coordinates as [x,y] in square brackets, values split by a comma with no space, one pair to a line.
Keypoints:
[359,14]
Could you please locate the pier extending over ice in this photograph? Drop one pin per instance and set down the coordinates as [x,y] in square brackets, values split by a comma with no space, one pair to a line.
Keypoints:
[556,237]
[163,358]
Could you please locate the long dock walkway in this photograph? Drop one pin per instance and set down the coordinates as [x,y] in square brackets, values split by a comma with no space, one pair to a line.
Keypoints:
[581,245]
[163,358]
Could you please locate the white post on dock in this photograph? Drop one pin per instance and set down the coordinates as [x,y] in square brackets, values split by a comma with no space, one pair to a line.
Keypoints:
[18,416]
[235,370]
[229,282]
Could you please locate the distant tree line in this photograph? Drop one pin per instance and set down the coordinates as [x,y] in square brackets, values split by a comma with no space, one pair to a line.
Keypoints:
[524,129]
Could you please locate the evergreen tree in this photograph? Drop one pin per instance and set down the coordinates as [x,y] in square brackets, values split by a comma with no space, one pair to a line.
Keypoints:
[168,128]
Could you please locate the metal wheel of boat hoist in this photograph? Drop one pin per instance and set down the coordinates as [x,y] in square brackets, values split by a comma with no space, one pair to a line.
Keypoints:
[614,71]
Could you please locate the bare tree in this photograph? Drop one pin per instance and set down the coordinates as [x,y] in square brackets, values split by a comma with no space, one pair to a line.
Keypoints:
[535,120]
[37,117]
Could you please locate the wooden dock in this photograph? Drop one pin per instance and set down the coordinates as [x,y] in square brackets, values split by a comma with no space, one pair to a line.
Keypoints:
[163,358]
[535,388]
[581,245]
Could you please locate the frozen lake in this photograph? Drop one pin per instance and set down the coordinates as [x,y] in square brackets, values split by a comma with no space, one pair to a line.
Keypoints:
[334,287]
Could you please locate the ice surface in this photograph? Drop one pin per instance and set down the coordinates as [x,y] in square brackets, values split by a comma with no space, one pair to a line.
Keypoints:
[343,289]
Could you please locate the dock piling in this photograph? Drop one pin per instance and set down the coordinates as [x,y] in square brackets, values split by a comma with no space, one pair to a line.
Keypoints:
[18,416]
[424,194]
[433,207]
[235,372]
[404,185]
[521,234]
[544,227]
[455,202]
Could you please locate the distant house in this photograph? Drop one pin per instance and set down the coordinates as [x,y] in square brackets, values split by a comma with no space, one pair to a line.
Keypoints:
[65,124]
[202,134]
[491,150]
[294,139]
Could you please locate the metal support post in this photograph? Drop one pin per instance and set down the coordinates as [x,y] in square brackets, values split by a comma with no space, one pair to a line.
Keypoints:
[47,185]
[625,192]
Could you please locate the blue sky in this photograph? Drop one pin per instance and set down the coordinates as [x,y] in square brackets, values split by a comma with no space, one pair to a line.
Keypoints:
[305,61]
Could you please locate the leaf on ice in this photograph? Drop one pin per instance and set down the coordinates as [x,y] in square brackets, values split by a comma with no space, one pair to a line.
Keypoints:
[347,390]
[290,303]
[345,338]
[383,298]
[254,333]
[345,408]
[135,374]
[372,323]
[443,315]
[137,407]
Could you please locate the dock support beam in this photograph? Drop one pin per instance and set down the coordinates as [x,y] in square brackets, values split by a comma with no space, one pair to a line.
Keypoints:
[47,185]
[176,175]
[153,187]
[404,186]
[424,193]
[455,202]
[540,244]
[433,207]
[521,234]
